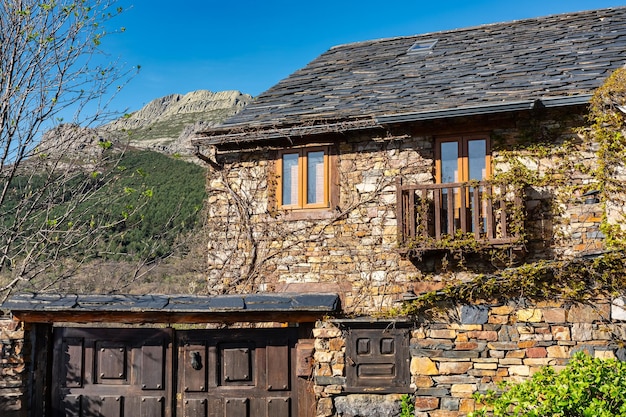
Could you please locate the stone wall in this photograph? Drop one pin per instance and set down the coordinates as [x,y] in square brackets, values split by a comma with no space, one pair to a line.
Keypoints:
[13,373]
[352,248]
[472,349]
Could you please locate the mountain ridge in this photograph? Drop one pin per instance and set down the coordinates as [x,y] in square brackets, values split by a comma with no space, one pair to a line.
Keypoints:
[167,124]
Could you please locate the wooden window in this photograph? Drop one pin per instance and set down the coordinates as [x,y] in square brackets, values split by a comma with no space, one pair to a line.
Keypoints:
[462,159]
[458,161]
[303,178]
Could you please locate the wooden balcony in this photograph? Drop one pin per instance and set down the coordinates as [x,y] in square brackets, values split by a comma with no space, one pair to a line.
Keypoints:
[434,216]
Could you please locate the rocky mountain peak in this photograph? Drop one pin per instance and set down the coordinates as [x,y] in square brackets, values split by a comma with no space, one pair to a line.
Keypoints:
[167,124]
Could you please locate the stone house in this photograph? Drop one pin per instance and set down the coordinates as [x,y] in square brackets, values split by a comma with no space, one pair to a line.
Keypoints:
[383,175]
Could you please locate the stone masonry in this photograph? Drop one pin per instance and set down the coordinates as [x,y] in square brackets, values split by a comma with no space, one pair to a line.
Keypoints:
[473,350]
[12,368]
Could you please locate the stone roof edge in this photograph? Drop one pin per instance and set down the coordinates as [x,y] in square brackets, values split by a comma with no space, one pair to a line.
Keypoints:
[267,302]
[247,133]
[244,134]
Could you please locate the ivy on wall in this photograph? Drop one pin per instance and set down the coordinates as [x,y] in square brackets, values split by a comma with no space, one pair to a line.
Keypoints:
[545,164]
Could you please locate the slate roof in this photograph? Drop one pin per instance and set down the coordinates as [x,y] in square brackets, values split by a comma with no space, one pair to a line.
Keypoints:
[558,59]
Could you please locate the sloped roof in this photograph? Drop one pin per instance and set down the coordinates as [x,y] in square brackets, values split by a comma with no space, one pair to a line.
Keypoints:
[558,59]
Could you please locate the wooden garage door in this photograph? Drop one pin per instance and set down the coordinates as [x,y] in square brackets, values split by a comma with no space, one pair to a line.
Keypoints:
[206,373]
[237,373]
[112,372]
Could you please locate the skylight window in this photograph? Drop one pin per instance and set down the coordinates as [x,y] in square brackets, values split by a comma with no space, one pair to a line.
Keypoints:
[422,47]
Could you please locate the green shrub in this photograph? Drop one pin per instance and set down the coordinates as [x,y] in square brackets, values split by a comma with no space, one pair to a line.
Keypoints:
[586,387]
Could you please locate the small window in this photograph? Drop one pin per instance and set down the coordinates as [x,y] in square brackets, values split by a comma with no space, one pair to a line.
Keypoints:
[303,178]
[422,47]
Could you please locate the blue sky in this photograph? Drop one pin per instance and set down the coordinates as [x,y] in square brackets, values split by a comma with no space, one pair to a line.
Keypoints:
[250,45]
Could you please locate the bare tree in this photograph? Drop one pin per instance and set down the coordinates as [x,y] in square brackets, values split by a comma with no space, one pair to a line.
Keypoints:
[55,78]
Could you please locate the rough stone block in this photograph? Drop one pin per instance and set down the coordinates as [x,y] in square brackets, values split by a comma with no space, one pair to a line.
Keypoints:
[582,332]
[442,334]
[462,390]
[450,404]
[604,354]
[467,405]
[496,354]
[534,362]
[326,333]
[336,344]
[433,392]
[510,361]
[588,314]
[518,354]
[520,370]
[329,380]
[536,352]
[447,368]
[470,314]
[426,403]
[508,334]
[502,310]
[491,336]
[455,379]
[529,315]
[494,319]
[325,407]
[421,381]
[423,366]
[561,333]
[618,309]
[490,366]
[469,346]
[554,315]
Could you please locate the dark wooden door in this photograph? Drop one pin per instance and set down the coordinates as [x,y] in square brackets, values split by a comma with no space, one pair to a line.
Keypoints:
[237,373]
[112,372]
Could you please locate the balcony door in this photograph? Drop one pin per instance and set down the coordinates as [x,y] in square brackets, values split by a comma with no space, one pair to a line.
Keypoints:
[460,160]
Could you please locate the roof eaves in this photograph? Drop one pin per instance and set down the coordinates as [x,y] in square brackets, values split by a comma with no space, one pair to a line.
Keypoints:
[484,109]
[244,135]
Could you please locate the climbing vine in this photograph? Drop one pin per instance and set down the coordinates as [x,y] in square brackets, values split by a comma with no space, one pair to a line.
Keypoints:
[589,159]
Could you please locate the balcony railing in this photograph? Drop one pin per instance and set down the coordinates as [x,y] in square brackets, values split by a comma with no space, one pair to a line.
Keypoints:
[430,214]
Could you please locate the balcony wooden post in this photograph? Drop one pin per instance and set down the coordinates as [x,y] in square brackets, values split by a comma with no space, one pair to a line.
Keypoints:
[400,211]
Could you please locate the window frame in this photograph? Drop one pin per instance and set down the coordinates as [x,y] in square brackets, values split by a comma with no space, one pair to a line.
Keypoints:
[303,178]
[463,155]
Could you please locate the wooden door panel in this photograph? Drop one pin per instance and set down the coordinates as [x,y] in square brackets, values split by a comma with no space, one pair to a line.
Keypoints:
[236,407]
[108,372]
[278,369]
[196,407]
[151,407]
[237,364]
[152,367]
[111,360]
[194,365]
[73,362]
[278,407]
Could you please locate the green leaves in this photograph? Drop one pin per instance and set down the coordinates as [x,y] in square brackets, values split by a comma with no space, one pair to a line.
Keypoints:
[586,387]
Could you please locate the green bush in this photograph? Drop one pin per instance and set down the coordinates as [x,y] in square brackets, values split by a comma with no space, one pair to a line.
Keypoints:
[586,387]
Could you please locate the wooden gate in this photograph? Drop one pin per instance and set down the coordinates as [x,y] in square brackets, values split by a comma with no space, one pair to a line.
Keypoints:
[237,373]
[162,373]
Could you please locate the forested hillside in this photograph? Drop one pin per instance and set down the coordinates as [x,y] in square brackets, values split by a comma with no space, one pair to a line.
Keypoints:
[152,207]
